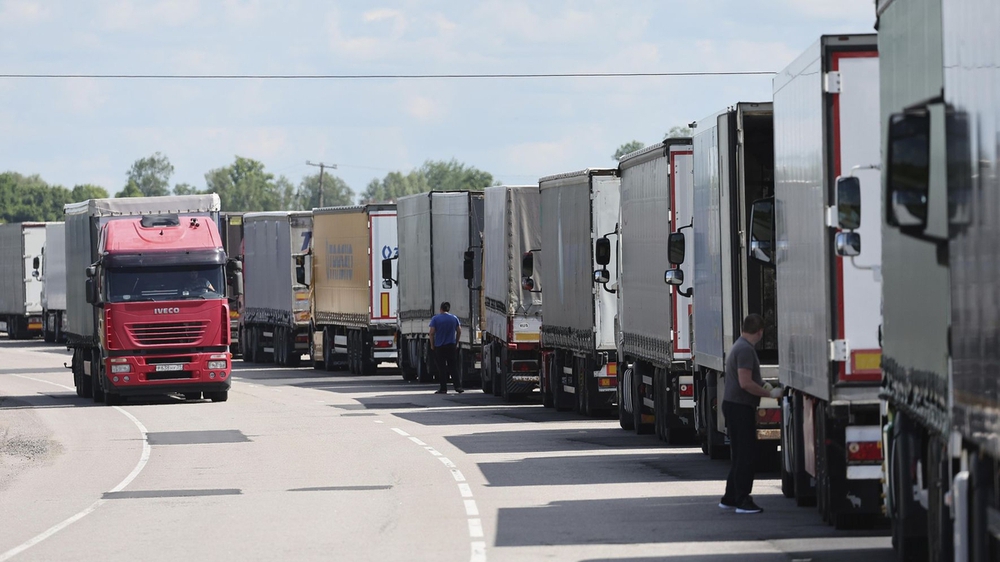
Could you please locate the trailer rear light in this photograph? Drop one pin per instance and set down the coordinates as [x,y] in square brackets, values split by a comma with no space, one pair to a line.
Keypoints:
[234,314]
[524,366]
[768,416]
[686,390]
[864,452]
[612,369]
[606,383]
[302,338]
[383,343]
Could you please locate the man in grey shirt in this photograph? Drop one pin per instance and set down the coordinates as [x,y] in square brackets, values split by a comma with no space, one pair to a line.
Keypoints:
[743,391]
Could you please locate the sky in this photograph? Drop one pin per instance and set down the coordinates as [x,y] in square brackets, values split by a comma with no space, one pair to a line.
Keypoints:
[76,131]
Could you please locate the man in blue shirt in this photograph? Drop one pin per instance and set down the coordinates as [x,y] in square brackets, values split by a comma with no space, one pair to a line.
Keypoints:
[444,334]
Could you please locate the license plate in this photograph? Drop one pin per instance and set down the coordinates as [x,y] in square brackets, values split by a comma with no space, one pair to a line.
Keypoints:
[172,367]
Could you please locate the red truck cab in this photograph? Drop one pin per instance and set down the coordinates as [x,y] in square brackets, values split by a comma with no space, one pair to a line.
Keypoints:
[163,327]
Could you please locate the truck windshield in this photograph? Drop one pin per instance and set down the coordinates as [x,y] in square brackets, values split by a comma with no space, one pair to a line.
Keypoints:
[165,283]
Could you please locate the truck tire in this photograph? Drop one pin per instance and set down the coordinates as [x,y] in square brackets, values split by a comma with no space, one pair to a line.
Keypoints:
[97,388]
[293,358]
[368,365]
[787,469]
[715,440]
[485,380]
[497,381]
[660,428]
[48,330]
[805,491]
[562,402]
[424,374]
[909,520]
[625,419]
[637,405]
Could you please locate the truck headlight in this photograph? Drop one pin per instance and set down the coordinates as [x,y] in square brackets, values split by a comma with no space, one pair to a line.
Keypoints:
[126,368]
[216,365]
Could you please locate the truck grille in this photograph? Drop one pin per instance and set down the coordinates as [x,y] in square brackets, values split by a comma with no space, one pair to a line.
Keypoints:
[167,333]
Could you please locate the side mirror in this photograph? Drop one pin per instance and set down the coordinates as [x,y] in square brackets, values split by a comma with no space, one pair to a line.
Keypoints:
[602,251]
[238,282]
[674,277]
[908,169]
[387,273]
[91,272]
[91,291]
[36,263]
[602,276]
[762,231]
[849,203]
[527,264]
[676,248]
[468,269]
[848,244]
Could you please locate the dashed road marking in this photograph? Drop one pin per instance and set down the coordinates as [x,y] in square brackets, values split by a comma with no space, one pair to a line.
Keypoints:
[471,509]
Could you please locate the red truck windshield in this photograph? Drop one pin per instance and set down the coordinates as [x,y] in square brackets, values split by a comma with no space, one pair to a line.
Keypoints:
[165,283]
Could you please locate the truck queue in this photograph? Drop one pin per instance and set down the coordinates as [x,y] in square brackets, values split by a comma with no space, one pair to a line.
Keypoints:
[851,211]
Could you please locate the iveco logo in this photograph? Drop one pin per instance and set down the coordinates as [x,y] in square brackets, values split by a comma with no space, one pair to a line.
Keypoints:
[166,311]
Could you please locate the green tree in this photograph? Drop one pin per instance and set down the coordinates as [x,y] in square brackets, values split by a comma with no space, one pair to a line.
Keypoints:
[335,192]
[679,132]
[131,190]
[151,175]
[436,175]
[627,148]
[88,191]
[244,185]
[186,189]
[30,198]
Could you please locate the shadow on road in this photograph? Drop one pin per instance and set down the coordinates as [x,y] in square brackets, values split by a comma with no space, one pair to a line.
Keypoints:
[684,519]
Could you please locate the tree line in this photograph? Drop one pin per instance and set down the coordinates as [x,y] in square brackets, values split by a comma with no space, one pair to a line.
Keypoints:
[245,185]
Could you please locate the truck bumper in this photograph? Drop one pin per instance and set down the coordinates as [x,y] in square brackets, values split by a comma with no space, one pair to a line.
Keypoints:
[145,374]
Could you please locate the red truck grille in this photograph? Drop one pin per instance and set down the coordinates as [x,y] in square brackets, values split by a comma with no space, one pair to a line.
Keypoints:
[167,333]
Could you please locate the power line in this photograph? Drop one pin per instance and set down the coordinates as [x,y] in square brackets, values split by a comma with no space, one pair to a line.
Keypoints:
[33,76]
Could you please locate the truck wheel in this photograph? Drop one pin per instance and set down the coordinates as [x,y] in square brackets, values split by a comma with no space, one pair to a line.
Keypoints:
[368,365]
[637,405]
[485,380]
[218,396]
[423,373]
[787,472]
[625,419]
[716,443]
[544,384]
[97,388]
[48,331]
[293,358]
[498,379]
[659,403]
[562,402]
[57,332]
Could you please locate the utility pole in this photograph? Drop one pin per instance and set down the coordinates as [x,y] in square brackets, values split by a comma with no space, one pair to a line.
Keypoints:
[321,167]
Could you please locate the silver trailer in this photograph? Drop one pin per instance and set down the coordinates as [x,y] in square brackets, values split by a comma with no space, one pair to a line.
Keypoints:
[51,270]
[580,366]
[20,291]
[656,387]
[354,316]
[940,107]
[440,259]
[733,167]
[277,271]
[511,348]
[829,294]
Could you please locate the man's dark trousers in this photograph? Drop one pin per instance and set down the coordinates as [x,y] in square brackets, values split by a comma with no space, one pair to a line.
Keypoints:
[447,363]
[741,423]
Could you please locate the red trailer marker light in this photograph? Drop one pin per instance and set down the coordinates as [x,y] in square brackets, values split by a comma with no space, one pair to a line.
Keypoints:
[864,452]
[383,343]
[769,416]
[686,390]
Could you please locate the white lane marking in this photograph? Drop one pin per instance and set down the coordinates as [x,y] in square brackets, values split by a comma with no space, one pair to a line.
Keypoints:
[478,552]
[143,460]
[476,528]
[471,509]
[379,421]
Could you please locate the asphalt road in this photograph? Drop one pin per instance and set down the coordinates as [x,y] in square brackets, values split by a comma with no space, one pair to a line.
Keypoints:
[308,465]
